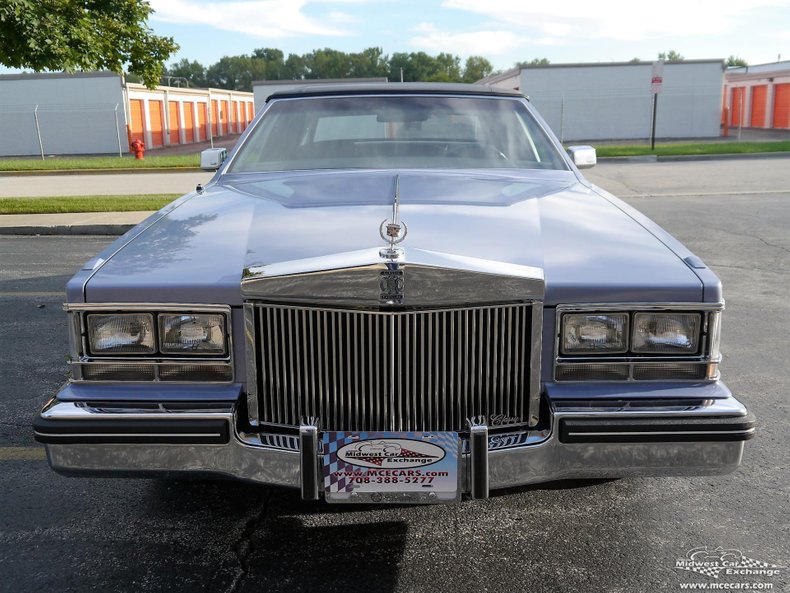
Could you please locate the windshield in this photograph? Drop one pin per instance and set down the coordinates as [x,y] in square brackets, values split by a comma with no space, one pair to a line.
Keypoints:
[385,132]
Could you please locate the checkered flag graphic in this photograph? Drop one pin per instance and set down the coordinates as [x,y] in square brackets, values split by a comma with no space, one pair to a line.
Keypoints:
[752,563]
[413,454]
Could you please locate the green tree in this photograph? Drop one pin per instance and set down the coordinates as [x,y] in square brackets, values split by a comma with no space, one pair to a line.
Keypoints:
[532,62]
[670,56]
[475,68]
[736,61]
[326,63]
[370,62]
[295,68]
[193,71]
[399,62]
[420,67]
[272,62]
[447,68]
[82,35]
[236,73]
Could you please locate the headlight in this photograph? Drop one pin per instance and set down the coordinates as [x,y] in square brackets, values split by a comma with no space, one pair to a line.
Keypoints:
[591,333]
[666,333]
[121,333]
[198,333]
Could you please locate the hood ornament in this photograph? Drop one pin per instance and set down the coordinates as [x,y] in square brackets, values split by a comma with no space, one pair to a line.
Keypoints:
[393,230]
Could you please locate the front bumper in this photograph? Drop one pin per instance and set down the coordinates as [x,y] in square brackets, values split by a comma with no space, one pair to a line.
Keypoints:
[604,439]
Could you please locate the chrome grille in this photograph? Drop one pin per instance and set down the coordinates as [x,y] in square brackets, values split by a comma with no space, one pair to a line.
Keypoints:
[404,370]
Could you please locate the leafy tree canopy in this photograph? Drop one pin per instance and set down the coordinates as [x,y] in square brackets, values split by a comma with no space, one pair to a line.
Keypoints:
[477,67]
[532,62]
[82,35]
[736,61]
[670,56]
[266,63]
[193,72]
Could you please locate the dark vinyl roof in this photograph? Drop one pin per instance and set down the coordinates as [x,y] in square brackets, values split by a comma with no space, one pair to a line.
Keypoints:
[314,81]
[392,88]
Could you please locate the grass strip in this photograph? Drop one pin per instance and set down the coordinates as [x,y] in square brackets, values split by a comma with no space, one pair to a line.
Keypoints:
[692,148]
[188,161]
[66,204]
[100,162]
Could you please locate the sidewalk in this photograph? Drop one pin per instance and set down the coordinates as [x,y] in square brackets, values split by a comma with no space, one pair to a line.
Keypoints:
[89,223]
[640,177]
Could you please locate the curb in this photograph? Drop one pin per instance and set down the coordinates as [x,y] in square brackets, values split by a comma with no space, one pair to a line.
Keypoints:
[642,158]
[724,157]
[669,158]
[45,172]
[67,229]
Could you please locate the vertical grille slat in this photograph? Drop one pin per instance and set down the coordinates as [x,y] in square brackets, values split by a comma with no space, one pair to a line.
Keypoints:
[400,370]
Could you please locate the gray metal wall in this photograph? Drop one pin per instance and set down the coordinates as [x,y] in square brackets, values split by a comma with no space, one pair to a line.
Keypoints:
[613,101]
[76,114]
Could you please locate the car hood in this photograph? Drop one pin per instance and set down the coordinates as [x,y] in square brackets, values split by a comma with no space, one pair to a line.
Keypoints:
[590,247]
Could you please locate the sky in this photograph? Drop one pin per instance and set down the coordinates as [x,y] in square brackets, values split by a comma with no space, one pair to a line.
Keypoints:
[504,31]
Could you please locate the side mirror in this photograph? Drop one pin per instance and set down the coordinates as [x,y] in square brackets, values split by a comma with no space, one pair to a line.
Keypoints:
[583,157]
[212,158]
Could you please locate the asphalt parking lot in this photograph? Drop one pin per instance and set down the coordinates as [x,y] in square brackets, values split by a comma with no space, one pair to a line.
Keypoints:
[62,534]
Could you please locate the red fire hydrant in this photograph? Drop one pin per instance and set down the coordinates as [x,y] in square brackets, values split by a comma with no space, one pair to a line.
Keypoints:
[138,148]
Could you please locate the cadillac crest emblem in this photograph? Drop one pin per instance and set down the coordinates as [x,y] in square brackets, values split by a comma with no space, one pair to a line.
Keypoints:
[393,230]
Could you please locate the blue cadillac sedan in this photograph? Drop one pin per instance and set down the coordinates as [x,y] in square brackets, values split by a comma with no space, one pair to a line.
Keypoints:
[395,293]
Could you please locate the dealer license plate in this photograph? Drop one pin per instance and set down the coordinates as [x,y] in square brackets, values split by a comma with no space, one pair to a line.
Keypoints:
[393,467]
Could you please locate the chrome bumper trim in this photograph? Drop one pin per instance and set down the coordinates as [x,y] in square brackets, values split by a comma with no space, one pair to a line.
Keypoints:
[528,458]
[478,461]
[309,461]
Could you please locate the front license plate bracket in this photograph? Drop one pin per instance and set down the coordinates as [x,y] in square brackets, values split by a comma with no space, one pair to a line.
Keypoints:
[391,467]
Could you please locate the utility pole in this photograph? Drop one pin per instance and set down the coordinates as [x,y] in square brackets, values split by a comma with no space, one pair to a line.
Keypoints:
[656,81]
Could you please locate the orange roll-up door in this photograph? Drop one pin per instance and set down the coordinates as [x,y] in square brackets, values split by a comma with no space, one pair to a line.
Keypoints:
[136,120]
[224,118]
[174,122]
[737,103]
[215,118]
[250,112]
[156,115]
[202,132]
[759,96]
[782,106]
[189,121]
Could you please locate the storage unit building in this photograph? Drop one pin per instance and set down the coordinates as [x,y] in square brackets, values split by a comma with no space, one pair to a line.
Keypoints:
[613,101]
[61,114]
[169,115]
[97,113]
[758,96]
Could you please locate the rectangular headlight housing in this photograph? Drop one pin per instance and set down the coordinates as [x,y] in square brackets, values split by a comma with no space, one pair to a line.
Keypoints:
[192,333]
[666,333]
[121,333]
[590,333]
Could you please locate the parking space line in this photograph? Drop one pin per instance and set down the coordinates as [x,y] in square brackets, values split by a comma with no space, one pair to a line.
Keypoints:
[22,453]
[709,193]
